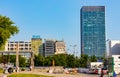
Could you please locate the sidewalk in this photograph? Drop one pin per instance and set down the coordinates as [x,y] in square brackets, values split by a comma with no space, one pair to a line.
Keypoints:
[3,75]
[58,75]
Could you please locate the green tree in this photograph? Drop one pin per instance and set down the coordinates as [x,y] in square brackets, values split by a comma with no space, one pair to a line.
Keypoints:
[93,58]
[105,61]
[63,60]
[12,58]
[48,61]
[70,60]
[22,61]
[84,60]
[77,62]
[7,29]
[0,58]
[4,59]
[39,60]
[60,59]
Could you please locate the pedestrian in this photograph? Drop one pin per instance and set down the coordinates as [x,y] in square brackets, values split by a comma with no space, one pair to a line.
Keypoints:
[17,69]
[102,73]
[10,70]
[30,68]
[114,74]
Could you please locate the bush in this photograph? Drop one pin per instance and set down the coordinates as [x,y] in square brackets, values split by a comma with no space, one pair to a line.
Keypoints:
[22,69]
[1,70]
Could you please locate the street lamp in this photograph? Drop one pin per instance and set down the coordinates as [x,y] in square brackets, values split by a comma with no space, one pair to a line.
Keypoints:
[74,49]
[107,48]
[17,57]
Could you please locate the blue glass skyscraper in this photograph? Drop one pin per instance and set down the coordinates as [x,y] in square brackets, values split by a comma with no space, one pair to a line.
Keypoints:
[93,31]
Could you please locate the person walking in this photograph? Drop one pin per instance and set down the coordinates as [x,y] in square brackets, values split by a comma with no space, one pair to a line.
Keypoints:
[30,68]
[114,74]
[102,73]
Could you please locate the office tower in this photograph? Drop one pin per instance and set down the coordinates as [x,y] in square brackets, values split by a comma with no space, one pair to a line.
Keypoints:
[36,44]
[93,31]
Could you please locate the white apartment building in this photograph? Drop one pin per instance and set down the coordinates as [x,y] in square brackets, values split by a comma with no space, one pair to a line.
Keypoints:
[20,45]
[114,47]
[116,63]
[60,47]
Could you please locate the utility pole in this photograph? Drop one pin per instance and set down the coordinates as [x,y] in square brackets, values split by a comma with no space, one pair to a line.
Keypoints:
[32,61]
[17,57]
[74,51]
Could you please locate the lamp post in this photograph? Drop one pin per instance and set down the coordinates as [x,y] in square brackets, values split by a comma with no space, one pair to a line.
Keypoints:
[32,61]
[74,49]
[17,57]
[107,48]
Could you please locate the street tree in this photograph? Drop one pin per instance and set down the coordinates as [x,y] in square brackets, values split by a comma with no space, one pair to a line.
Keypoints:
[60,59]
[7,29]
[84,60]
[39,60]
[70,60]
[22,61]
[93,58]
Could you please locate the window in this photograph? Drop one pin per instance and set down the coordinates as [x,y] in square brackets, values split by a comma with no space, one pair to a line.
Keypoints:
[119,57]
[26,48]
[11,48]
[26,44]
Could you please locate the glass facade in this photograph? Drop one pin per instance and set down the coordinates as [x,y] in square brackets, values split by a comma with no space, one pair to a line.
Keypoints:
[93,30]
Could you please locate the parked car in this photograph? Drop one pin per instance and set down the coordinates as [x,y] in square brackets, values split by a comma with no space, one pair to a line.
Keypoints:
[99,71]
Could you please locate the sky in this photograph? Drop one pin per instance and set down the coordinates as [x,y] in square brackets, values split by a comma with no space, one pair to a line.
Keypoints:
[57,19]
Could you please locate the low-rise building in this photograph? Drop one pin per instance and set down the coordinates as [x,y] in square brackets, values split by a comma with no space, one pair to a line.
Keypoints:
[49,47]
[36,44]
[114,47]
[20,45]
[60,47]
[116,59]
[52,47]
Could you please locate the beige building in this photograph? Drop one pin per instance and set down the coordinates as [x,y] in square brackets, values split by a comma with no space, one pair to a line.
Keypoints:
[60,47]
[48,48]
[52,47]
[36,43]
[20,45]
[33,45]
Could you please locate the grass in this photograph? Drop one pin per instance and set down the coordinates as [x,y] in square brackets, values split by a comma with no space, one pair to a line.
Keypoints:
[1,70]
[27,75]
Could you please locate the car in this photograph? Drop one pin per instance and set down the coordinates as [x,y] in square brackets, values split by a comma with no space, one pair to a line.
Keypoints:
[100,70]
